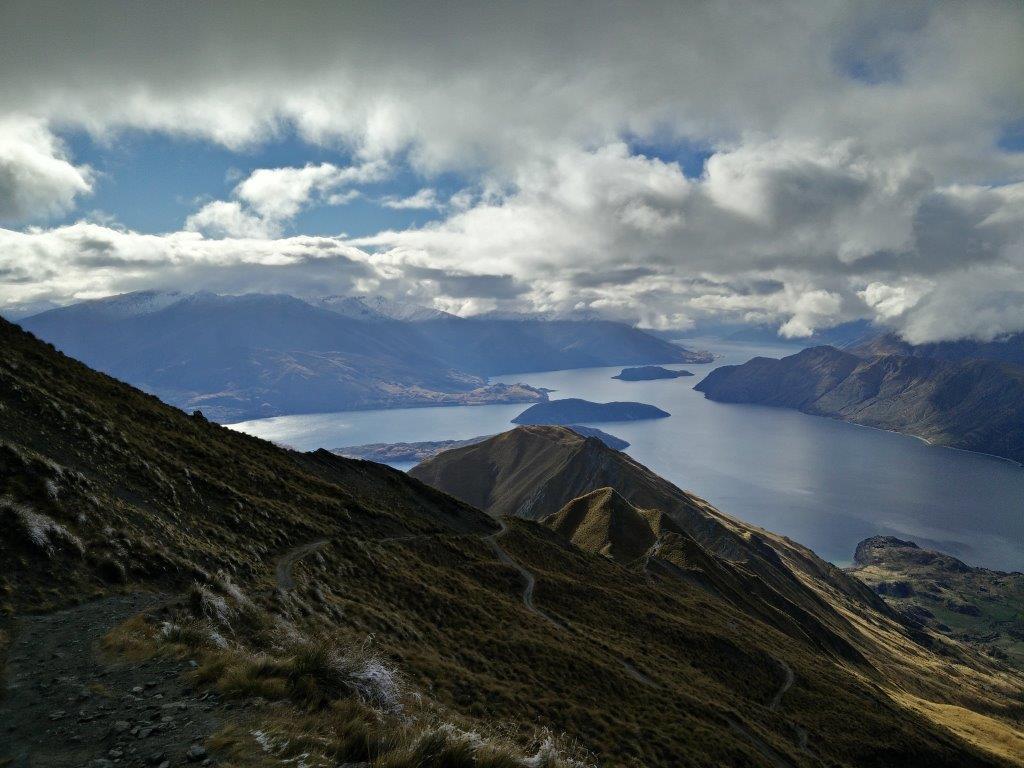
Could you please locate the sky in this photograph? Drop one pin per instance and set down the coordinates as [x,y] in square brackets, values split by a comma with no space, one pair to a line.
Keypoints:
[799,164]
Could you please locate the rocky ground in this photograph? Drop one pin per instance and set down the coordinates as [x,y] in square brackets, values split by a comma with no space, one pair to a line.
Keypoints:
[67,705]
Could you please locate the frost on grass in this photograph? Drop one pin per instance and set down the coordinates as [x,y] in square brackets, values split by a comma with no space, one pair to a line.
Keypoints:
[41,531]
[207,604]
[355,672]
[377,684]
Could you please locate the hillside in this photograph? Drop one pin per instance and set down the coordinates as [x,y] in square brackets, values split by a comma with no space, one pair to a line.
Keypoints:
[975,405]
[537,471]
[604,523]
[284,607]
[982,607]
[242,357]
[257,355]
[610,505]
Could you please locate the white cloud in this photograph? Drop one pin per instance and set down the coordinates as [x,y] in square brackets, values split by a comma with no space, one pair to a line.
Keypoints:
[825,197]
[222,218]
[891,301]
[270,197]
[343,198]
[278,194]
[36,178]
[85,260]
[425,199]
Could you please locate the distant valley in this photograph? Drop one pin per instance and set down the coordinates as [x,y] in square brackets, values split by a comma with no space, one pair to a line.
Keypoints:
[257,355]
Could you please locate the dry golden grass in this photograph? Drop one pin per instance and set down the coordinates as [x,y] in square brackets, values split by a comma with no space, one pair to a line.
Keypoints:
[987,733]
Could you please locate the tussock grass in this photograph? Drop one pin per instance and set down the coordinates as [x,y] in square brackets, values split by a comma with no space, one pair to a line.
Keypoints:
[37,529]
[350,733]
[135,639]
[311,674]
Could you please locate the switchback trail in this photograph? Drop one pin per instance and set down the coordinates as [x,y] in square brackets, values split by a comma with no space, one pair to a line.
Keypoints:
[786,685]
[285,580]
[529,580]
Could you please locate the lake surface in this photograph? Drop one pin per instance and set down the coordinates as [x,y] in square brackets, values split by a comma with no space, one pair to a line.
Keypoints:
[823,483]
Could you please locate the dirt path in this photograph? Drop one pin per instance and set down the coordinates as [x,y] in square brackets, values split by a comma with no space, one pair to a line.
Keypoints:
[529,580]
[786,685]
[283,570]
[64,706]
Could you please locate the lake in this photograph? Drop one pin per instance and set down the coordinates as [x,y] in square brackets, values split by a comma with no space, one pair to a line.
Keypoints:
[824,483]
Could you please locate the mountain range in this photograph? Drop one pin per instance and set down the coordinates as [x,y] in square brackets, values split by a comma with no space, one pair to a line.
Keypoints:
[970,403]
[256,355]
[197,593]
[1007,349]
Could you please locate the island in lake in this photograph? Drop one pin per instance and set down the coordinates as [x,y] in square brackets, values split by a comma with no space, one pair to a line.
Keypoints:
[650,373]
[421,451]
[572,410]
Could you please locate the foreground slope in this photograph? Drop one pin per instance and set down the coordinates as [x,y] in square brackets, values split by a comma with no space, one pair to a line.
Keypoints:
[975,405]
[341,612]
[608,504]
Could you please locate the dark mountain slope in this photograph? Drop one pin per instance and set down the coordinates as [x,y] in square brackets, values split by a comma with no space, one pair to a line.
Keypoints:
[649,541]
[547,472]
[534,471]
[976,405]
[273,569]
[538,471]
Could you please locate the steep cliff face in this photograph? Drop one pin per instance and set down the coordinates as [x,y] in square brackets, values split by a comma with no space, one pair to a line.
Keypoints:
[976,405]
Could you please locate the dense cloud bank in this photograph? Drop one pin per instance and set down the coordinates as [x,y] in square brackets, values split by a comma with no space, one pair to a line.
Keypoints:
[858,161]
